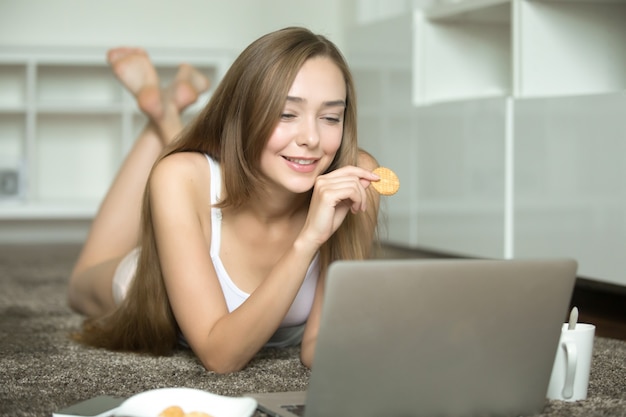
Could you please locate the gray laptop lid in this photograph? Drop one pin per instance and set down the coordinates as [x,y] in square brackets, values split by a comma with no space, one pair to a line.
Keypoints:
[438,337]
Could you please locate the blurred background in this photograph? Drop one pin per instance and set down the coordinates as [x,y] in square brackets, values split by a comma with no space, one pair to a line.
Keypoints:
[503,119]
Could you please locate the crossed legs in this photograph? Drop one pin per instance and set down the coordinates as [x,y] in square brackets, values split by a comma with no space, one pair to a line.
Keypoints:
[115,230]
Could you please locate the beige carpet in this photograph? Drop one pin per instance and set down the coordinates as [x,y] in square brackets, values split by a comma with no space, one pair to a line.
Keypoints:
[41,370]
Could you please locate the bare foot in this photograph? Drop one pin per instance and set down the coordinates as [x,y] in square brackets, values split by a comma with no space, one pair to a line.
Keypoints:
[133,68]
[188,84]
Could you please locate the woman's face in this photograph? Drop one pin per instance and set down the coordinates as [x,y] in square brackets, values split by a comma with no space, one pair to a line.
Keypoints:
[309,133]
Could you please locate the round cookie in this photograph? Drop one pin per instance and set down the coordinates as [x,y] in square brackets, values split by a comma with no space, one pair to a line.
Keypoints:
[173,411]
[389,182]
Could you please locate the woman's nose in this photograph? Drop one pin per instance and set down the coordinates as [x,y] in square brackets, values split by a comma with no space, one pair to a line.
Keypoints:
[309,134]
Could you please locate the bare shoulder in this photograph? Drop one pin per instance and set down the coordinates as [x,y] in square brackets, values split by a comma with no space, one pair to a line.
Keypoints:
[180,172]
[181,163]
[366,160]
[180,166]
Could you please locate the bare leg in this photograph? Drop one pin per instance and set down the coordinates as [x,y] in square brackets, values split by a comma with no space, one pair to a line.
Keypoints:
[115,230]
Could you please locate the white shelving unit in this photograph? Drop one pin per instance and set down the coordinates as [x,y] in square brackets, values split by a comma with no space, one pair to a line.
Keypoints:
[472,49]
[517,129]
[66,123]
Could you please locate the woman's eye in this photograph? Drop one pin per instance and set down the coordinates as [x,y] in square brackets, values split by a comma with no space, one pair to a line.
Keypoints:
[332,119]
[287,116]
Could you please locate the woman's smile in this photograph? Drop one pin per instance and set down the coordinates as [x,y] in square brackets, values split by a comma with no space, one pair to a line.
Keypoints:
[302,165]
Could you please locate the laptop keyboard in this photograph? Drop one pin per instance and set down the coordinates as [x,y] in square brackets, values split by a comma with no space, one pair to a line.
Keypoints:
[295,409]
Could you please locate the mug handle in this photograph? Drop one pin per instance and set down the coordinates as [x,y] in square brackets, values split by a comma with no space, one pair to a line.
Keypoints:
[571,357]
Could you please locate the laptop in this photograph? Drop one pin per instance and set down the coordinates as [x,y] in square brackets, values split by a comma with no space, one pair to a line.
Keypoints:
[415,337]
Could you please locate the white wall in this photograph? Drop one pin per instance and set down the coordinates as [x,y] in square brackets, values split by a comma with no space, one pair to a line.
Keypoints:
[229,24]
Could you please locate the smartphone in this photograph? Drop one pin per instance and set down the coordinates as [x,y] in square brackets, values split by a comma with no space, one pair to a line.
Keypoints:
[102,406]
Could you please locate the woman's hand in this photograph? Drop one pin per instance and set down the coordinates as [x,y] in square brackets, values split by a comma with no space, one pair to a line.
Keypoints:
[334,194]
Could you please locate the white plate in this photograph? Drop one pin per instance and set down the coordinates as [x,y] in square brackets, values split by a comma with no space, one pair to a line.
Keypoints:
[152,403]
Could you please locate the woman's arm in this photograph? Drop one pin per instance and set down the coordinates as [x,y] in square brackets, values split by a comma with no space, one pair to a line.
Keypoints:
[180,200]
[309,339]
[223,341]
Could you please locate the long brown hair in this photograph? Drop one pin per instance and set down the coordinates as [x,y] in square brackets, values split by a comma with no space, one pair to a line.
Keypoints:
[234,128]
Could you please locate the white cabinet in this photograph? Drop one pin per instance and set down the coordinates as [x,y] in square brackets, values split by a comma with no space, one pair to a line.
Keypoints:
[517,129]
[461,176]
[570,187]
[66,124]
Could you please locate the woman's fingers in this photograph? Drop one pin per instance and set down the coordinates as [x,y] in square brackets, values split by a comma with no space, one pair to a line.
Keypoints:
[348,187]
[334,195]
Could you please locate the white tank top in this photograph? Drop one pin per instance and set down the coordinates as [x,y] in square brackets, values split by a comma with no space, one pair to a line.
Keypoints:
[301,307]
[291,329]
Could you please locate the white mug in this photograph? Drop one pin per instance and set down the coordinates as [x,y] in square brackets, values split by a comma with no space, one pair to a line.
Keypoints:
[570,372]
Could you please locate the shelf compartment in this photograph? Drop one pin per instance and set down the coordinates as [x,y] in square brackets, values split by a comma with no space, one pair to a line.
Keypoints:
[12,167]
[13,86]
[569,47]
[75,158]
[12,134]
[61,86]
[462,55]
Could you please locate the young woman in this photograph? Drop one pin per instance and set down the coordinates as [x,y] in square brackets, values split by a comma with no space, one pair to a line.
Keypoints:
[227,248]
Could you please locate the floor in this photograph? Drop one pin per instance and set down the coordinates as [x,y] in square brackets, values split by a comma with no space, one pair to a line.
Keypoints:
[605,308]
[600,304]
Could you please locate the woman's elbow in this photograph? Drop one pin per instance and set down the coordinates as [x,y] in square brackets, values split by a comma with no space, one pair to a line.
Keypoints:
[306,356]
[306,361]
[222,366]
